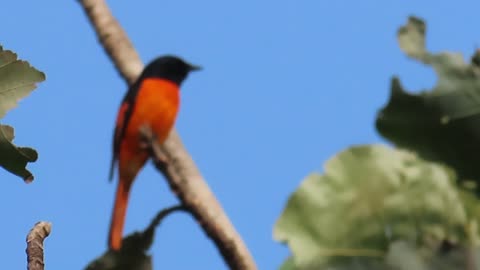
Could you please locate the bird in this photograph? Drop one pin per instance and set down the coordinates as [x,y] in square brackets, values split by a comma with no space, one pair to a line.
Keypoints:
[152,100]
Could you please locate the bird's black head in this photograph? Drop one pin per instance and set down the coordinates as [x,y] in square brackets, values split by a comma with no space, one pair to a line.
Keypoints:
[170,68]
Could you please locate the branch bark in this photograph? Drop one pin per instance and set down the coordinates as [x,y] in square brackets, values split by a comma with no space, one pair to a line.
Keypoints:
[181,172]
[35,245]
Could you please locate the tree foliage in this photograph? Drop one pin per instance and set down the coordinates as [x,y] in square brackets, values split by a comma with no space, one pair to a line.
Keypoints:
[17,80]
[441,124]
[376,207]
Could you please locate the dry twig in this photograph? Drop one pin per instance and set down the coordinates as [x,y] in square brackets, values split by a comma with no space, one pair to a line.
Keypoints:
[35,245]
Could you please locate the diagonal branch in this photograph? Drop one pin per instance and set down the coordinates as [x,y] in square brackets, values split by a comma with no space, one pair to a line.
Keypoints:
[181,172]
[114,40]
[35,245]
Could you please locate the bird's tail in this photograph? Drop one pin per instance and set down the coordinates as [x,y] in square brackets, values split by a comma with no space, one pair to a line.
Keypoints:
[118,215]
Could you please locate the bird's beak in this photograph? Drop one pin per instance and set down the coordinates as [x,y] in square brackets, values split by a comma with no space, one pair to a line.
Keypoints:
[195,68]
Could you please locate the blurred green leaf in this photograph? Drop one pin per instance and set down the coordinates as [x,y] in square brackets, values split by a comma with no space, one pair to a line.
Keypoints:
[442,124]
[368,198]
[17,79]
[289,264]
[404,256]
[12,158]
[411,38]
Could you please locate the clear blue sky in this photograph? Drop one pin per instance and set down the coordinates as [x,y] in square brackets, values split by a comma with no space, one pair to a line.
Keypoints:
[286,85]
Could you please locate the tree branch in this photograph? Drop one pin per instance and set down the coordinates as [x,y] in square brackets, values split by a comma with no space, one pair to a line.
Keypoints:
[35,245]
[114,40]
[181,172]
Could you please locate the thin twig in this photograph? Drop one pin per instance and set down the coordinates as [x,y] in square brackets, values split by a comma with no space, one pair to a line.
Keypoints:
[134,252]
[35,245]
[143,240]
[181,172]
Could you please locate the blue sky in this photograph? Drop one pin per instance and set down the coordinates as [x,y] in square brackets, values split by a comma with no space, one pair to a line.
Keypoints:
[285,85]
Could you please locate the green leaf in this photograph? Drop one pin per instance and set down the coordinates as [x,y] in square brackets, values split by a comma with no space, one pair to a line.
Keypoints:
[442,124]
[17,80]
[289,264]
[411,38]
[404,256]
[368,198]
[12,158]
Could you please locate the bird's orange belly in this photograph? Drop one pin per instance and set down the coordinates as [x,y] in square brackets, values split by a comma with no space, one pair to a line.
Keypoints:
[156,106]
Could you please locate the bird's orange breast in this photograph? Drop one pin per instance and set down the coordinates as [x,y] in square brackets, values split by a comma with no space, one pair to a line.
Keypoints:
[156,105]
